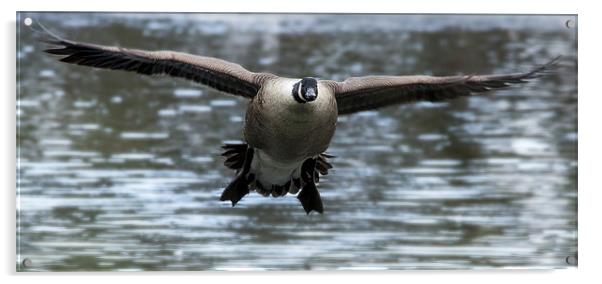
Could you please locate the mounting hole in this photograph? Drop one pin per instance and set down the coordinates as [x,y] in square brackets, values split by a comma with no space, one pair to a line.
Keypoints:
[571,260]
[569,24]
[27,263]
[28,21]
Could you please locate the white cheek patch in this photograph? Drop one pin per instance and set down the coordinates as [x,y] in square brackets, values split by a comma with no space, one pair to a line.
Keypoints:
[299,92]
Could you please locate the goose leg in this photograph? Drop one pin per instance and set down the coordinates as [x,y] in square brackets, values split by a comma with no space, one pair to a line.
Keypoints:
[309,195]
[239,186]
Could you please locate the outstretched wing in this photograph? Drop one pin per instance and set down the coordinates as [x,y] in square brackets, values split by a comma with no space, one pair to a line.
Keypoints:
[216,73]
[371,92]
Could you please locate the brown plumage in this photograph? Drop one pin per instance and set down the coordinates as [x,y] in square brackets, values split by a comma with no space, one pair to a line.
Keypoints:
[289,122]
[370,92]
[216,73]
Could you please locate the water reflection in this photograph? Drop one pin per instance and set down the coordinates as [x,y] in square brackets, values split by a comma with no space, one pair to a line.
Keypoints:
[122,172]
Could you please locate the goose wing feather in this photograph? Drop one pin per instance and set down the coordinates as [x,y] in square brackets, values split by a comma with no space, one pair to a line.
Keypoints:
[219,74]
[365,93]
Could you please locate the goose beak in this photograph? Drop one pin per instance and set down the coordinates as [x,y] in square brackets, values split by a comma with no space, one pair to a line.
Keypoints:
[310,95]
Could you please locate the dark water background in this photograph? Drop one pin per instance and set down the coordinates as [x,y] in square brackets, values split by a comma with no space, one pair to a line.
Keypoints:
[122,172]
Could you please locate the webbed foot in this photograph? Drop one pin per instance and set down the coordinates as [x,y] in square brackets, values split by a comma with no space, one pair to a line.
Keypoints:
[309,195]
[239,186]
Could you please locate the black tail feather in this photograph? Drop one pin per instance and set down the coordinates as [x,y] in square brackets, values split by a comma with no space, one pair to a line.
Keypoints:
[322,164]
[235,155]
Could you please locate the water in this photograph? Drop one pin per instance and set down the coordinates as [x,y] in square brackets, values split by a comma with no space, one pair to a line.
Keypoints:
[117,171]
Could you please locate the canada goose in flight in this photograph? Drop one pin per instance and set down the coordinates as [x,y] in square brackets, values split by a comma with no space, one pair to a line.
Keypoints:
[289,122]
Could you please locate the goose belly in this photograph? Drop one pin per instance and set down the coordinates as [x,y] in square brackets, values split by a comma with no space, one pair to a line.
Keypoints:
[270,172]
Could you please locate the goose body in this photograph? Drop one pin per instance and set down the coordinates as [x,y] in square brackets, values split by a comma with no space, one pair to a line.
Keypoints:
[286,132]
[289,122]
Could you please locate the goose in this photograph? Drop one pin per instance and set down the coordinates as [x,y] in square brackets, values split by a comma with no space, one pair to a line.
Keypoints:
[289,122]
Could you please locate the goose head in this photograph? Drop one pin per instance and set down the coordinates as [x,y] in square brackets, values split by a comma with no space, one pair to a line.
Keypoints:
[306,90]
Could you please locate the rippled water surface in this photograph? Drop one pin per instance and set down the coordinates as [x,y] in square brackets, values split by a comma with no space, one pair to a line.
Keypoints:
[117,171]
